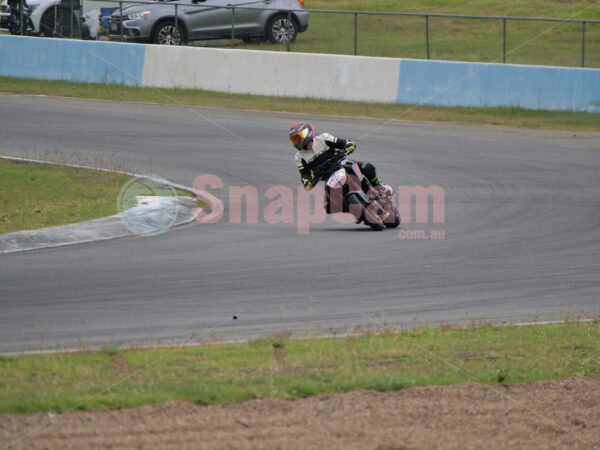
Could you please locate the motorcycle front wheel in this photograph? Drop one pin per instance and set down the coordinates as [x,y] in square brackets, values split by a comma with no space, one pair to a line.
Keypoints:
[396,221]
[14,23]
[365,216]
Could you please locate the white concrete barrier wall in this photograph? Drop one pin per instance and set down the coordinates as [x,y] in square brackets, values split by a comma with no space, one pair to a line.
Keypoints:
[281,74]
[333,77]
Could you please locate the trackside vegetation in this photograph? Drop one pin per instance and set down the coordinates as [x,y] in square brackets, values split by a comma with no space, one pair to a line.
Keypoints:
[42,195]
[454,39]
[281,367]
[35,196]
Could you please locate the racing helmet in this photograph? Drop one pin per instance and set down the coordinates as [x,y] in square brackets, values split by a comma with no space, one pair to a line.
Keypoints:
[301,134]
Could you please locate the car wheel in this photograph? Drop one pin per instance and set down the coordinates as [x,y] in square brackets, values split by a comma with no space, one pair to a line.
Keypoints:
[281,30]
[63,24]
[166,33]
[85,33]
[47,24]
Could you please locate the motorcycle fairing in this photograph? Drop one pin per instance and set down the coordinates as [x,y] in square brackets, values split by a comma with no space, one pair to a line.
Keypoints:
[337,179]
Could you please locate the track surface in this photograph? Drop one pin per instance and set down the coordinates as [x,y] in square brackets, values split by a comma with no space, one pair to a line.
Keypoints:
[522,232]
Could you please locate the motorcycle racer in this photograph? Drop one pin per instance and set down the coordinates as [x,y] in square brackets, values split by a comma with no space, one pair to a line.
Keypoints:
[314,150]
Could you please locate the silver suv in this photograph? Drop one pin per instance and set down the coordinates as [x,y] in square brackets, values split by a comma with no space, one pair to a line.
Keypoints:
[179,21]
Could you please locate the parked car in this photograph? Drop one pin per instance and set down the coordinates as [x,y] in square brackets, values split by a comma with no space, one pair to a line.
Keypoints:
[4,14]
[42,17]
[210,19]
[50,17]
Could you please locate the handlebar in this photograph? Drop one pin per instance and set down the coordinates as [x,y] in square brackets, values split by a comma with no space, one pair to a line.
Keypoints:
[325,169]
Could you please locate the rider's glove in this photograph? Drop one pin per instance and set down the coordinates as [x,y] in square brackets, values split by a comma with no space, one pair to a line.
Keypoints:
[349,147]
[309,180]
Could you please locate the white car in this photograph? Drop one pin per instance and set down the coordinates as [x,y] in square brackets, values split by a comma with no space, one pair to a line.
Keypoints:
[4,15]
[43,17]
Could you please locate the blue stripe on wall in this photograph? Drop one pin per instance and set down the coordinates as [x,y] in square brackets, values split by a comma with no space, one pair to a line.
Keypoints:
[477,84]
[73,60]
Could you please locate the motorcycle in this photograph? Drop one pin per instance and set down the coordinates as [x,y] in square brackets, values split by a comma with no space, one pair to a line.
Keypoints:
[19,21]
[347,190]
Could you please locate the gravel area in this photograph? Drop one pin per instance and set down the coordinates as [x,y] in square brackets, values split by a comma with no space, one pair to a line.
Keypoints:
[549,414]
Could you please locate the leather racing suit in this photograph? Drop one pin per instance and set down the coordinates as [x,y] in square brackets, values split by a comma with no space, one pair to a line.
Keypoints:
[323,147]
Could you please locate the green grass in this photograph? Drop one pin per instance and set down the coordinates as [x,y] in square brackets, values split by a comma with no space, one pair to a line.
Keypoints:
[41,195]
[287,368]
[545,43]
[510,117]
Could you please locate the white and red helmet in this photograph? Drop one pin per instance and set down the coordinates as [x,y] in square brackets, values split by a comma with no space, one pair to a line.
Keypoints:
[301,134]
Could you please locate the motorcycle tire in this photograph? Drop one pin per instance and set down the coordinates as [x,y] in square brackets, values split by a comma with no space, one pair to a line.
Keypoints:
[396,221]
[375,224]
[14,23]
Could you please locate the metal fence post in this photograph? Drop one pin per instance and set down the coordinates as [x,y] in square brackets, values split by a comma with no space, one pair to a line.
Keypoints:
[504,40]
[583,44]
[232,26]
[289,23]
[176,23]
[55,31]
[21,14]
[121,18]
[427,33]
[355,33]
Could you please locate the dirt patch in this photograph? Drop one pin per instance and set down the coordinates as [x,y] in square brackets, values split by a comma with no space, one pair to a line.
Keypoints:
[553,414]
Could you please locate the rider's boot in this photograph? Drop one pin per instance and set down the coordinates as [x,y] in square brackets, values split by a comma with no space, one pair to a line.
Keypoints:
[384,189]
[386,193]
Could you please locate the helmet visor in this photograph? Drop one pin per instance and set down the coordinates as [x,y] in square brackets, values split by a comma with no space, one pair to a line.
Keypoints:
[298,137]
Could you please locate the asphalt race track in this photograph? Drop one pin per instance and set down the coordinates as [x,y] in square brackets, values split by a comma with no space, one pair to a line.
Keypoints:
[520,219]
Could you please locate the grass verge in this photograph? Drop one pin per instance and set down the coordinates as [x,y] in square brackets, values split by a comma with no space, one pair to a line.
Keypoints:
[42,195]
[549,43]
[509,117]
[288,368]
